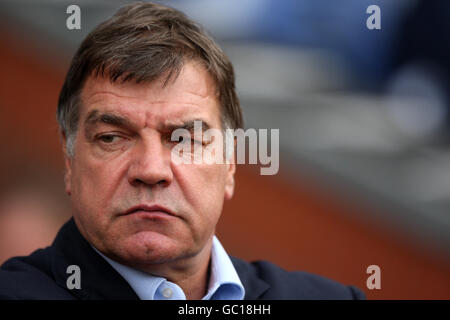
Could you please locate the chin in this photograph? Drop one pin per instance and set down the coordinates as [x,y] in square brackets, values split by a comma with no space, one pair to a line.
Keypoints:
[148,247]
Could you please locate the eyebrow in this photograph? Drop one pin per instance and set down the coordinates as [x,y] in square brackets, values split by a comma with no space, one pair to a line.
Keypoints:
[95,116]
[188,125]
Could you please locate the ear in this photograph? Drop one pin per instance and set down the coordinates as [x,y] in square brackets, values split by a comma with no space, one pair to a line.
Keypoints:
[231,169]
[67,165]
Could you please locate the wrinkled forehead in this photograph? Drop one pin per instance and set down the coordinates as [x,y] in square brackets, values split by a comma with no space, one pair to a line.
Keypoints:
[192,92]
[192,78]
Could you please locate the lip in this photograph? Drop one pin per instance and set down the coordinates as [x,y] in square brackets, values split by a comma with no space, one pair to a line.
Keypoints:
[146,209]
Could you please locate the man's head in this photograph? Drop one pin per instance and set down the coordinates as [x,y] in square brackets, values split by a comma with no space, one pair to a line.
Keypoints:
[135,79]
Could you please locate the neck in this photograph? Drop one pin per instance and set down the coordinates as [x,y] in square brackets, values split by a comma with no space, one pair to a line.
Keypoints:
[190,274]
[196,285]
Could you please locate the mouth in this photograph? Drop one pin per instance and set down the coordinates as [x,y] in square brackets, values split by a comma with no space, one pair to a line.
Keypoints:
[150,211]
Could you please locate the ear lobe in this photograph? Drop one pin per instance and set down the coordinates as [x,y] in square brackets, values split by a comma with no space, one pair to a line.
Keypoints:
[68,167]
[229,183]
[229,187]
[68,175]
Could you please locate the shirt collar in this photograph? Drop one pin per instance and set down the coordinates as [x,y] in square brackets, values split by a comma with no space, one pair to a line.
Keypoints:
[224,282]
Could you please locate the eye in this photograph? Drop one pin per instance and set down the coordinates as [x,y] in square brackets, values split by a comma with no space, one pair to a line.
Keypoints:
[109,138]
[185,139]
[179,139]
[197,141]
[191,140]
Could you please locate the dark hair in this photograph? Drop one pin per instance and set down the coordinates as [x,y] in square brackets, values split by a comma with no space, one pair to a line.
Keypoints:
[143,42]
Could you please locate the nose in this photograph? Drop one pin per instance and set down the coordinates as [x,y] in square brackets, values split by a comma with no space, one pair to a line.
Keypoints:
[150,164]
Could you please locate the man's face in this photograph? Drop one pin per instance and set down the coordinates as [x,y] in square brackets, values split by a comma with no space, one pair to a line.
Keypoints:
[129,198]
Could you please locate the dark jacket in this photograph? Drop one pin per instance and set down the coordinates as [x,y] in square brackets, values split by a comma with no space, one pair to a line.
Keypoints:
[43,275]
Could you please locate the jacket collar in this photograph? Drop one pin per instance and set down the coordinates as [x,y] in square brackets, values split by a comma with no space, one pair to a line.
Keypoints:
[254,286]
[100,281]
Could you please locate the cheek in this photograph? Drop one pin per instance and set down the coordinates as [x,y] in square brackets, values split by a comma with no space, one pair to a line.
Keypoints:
[203,186]
[93,184]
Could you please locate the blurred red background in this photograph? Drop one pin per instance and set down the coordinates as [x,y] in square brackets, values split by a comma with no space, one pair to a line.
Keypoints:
[293,219]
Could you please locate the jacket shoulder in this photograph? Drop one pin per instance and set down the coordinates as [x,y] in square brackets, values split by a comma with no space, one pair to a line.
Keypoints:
[30,277]
[293,285]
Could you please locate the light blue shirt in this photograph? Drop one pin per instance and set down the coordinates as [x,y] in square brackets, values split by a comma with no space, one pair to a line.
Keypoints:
[224,282]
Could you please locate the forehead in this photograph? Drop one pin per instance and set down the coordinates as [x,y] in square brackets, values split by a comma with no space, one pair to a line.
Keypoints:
[192,94]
